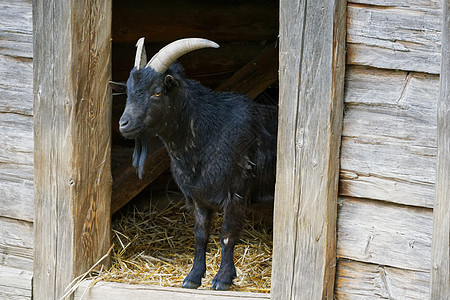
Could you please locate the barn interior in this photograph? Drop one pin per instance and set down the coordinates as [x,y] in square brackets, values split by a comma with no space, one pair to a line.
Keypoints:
[246,62]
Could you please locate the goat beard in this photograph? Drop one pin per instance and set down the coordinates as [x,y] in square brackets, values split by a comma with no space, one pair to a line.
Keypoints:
[140,154]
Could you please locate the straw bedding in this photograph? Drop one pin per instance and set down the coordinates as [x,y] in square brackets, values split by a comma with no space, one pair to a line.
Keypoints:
[155,246]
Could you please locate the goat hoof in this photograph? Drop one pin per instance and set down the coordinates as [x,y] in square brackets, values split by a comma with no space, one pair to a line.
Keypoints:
[220,286]
[190,284]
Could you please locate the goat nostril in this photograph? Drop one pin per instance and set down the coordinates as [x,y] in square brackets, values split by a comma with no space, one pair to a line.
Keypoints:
[123,123]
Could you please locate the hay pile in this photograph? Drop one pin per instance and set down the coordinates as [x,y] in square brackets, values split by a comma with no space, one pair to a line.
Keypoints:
[155,246]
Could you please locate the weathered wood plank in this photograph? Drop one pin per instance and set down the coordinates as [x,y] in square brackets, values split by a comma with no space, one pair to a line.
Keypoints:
[356,280]
[113,291]
[16,139]
[440,271]
[312,54]
[15,284]
[16,192]
[399,35]
[72,102]
[391,162]
[389,136]
[16,108]
[385,234]
[16,29]
[16,85]
[16,244]
[16,166]
[419,5]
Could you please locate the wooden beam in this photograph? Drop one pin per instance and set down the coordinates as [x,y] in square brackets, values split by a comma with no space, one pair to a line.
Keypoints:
[72,125]
[440,267]
[312,67]
[113,291]
[252,79]
[126,184]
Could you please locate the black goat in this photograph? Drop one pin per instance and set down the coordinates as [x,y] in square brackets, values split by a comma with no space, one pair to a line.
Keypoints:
[222,147]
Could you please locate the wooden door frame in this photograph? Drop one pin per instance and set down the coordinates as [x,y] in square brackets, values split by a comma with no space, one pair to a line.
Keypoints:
[72,139]
[312,70]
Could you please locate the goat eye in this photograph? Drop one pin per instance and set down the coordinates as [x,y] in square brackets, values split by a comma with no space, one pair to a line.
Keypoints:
[157,93]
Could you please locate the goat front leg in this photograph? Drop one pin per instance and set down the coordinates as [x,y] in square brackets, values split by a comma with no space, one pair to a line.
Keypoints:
[231,228]
[202,225]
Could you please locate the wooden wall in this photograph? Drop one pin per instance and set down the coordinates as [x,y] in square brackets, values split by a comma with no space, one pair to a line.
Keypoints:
[388,154]
[16,149]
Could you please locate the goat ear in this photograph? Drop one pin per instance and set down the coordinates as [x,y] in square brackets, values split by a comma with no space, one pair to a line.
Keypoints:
[118,87]
[170,82]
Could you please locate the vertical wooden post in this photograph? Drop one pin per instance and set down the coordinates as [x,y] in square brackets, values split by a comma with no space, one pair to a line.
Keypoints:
[72,119]
[440,266]
[312,67]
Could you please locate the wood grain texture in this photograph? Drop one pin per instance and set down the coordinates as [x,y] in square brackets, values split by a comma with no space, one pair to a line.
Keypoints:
[118,291]
[312,52]
[72,125]
[401,35]
[16,166]
[15,284]
[16,244]
[16,29]
[440,271]
[389,136]
[386,234]
[357,280]
[16,84]
[16,109]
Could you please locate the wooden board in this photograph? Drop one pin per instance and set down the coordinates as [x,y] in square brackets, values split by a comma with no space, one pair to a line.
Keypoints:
[16,166]
[16,109]
[386,234]
[16,84]
[389,136]
[72,125]
[403,35]
[356,280]
[16,244]
[16,29]
[15,284]
[440,271]
[118,291]
[312,54]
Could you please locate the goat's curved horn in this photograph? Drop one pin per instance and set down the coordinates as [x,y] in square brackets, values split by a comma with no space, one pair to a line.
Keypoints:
[141,56]
[162,60]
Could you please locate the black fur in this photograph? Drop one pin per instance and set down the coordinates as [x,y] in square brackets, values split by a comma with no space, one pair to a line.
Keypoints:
[222,148]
